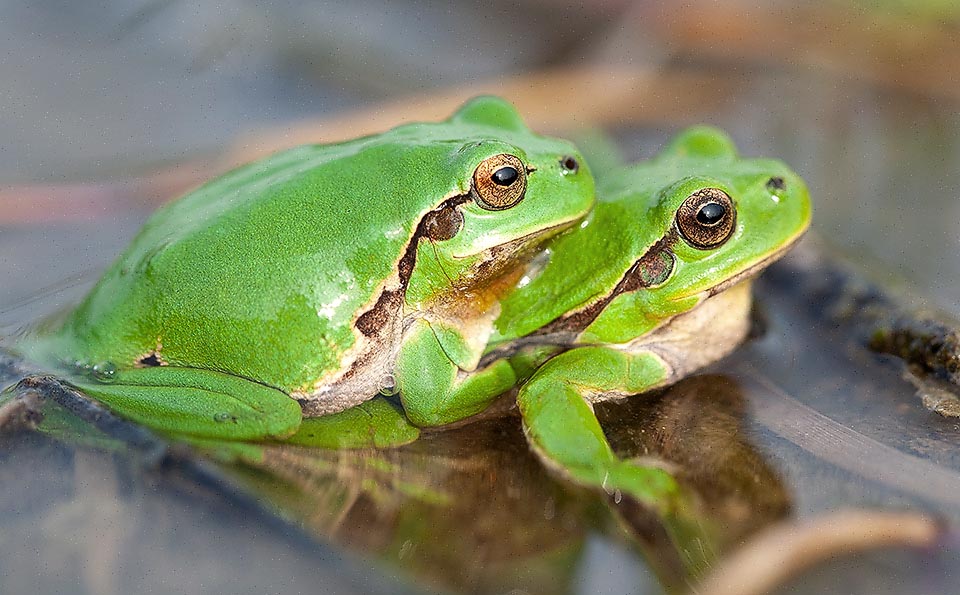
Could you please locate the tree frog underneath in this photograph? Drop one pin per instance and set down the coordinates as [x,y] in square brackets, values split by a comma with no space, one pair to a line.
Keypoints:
[654,285]
[309,273]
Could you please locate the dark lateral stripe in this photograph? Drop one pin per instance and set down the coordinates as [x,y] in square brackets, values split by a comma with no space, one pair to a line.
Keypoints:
[370,322]
[653,268]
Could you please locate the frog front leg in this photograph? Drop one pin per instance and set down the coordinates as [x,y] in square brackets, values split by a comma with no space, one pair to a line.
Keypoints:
[561,427]
[434,390]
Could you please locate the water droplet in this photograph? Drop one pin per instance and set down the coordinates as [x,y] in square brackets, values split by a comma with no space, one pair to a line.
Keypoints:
[617,496]
[603,484]
[222,417]
[104,371]
[81,366]
[549,509]
[388,385]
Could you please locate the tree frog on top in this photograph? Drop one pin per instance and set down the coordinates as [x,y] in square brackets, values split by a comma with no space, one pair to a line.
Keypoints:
[653,285]
[297,281]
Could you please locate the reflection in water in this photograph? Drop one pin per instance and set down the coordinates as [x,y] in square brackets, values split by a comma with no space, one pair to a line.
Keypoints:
[473,510]
[698,427]
[469,509]
[90,522]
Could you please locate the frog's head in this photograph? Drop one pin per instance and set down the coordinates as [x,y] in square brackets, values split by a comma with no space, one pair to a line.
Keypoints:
[520,184]
[724,218]
[507,190]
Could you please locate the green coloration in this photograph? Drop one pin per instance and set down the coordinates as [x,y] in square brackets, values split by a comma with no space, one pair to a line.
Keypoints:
[603,154]
[660,328]
[434,396]
[206,404]
[228,451]
[265,273]
[562,425]
[638,336]
[527,360]
[626,302]
[637,207]
[375,423]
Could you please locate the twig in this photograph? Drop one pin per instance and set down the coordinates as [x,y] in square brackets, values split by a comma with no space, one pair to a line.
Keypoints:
[784,550]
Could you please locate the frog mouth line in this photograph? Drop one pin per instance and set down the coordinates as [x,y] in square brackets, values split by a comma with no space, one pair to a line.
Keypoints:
[535,237]
[498,260]
[372,319]
[753,269]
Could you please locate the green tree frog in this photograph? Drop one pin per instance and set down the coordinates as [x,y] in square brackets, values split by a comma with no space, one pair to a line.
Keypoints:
[654,285]
[294,284]
[651,286]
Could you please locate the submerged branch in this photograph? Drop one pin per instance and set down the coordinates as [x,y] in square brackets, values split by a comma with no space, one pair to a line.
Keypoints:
[839,294]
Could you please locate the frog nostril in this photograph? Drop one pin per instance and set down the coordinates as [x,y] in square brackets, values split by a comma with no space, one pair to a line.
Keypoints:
[569,164]
[776,183]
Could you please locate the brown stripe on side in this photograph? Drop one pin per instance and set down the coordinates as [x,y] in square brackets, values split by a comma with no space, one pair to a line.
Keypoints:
[650,270]
[441,223]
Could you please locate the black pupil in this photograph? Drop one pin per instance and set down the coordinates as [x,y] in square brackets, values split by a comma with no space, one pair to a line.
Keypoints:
[711,213]
[505,176]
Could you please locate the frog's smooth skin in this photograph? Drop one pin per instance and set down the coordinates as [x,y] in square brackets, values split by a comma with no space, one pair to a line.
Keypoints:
[316,272]
[654,285]
[638,296]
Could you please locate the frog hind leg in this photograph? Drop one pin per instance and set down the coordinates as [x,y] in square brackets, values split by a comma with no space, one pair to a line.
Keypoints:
[196,403]
[434,390]
[376,423]
[563,430]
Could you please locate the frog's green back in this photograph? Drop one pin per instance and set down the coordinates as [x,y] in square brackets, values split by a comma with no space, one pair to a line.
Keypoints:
[261,270]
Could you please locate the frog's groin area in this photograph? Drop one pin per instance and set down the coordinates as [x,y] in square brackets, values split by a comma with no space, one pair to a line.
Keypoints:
[818,464]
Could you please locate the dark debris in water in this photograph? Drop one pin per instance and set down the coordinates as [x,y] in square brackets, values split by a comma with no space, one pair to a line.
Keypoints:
[841,295]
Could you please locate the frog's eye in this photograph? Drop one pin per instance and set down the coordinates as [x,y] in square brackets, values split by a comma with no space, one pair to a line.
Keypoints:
[499,182]
[706,218]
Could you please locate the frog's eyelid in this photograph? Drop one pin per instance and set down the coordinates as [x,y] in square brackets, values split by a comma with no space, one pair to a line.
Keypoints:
[469,146]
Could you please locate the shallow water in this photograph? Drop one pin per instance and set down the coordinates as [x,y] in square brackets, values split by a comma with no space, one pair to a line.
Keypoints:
[797,423]
[800,422]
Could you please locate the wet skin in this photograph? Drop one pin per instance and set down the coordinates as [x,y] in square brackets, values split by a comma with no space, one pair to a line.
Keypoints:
[294,285]
[653,285]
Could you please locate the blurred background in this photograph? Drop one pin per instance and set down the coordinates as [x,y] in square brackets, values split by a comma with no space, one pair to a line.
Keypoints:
[111,107]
